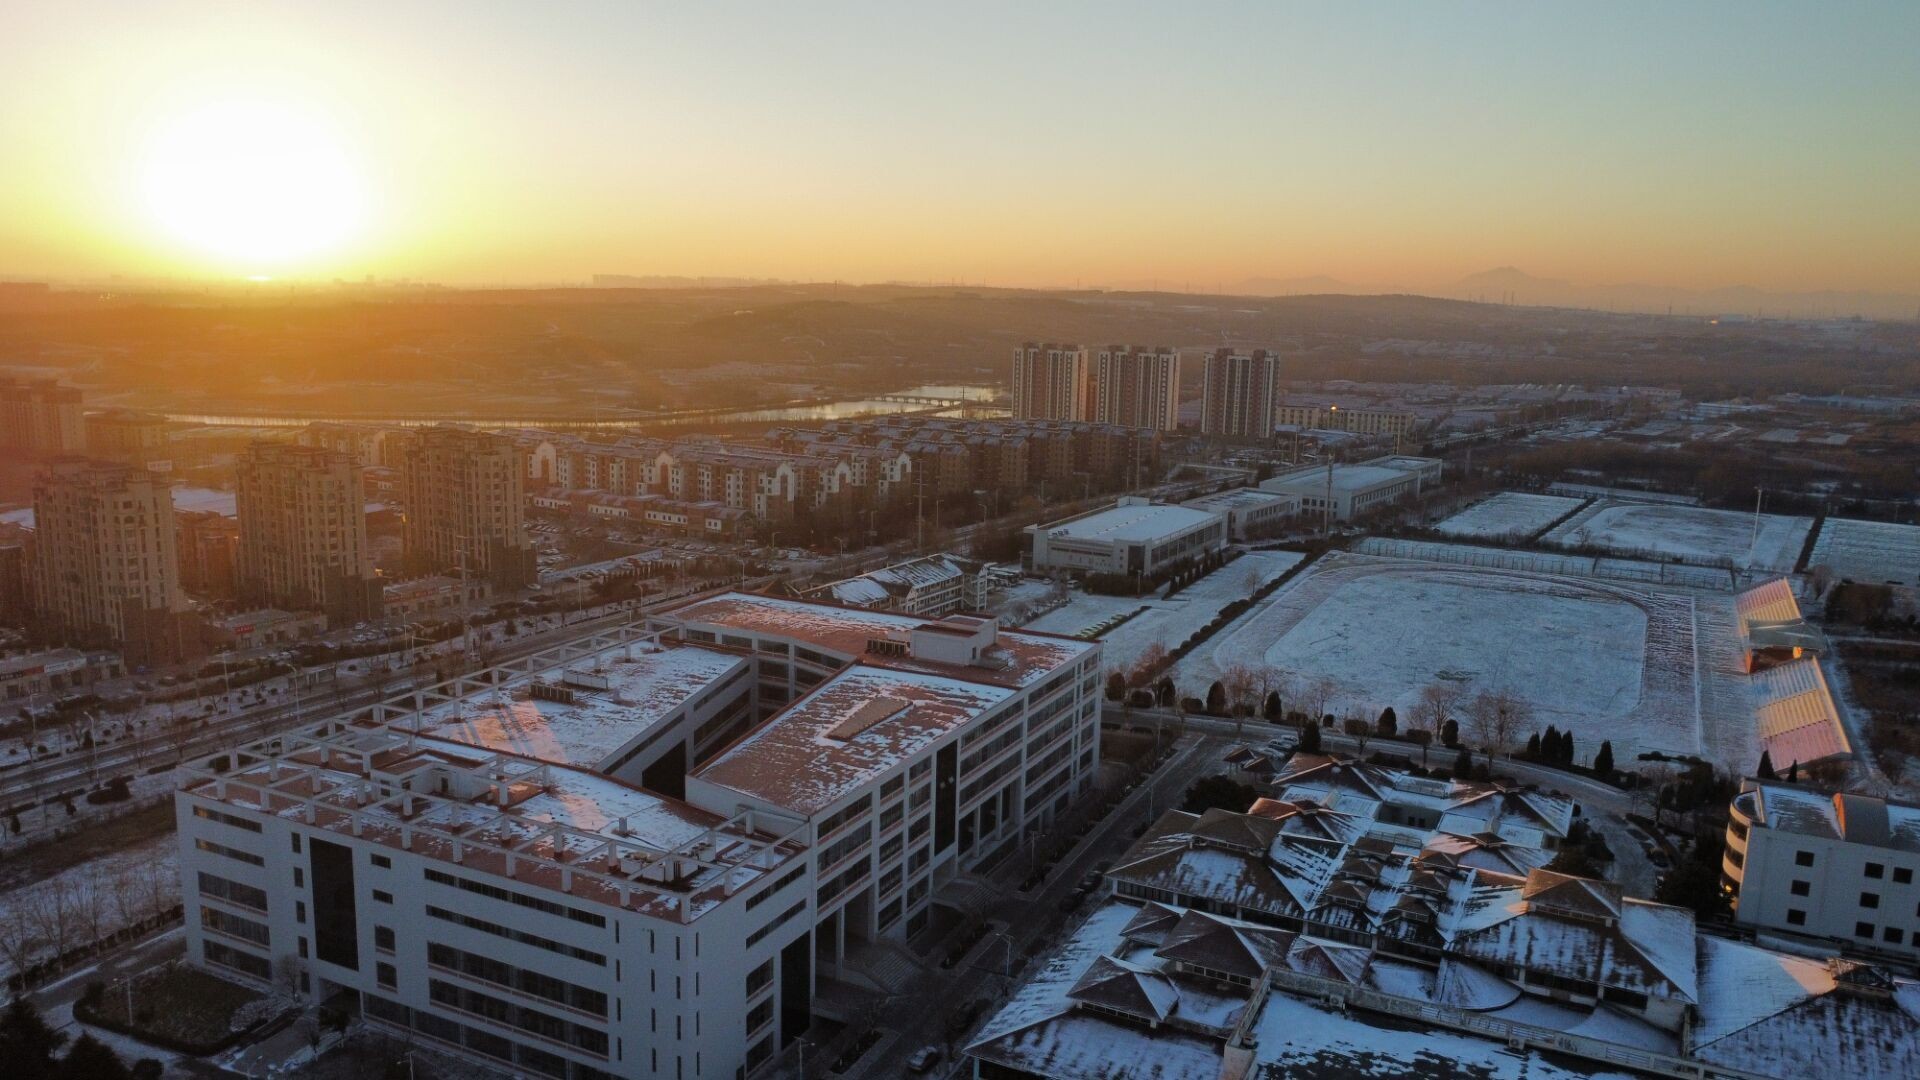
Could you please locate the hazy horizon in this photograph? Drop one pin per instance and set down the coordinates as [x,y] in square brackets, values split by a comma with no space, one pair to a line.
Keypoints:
[1693,149]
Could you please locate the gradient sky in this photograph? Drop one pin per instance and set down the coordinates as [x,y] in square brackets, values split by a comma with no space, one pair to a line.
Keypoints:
[1681,144]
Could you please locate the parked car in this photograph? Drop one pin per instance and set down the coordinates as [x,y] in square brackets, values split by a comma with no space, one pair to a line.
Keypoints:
[923,1059]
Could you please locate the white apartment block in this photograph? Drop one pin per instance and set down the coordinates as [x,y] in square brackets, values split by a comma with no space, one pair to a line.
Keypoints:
[1052,382]
[1237,394]
[1137,386]
[485,863]
[1836,867]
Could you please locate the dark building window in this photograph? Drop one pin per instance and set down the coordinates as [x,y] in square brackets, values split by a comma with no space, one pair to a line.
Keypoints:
[1876,870]
[336,934]
[1800,888]
[1796,917]
[1803,858]
[1863,930]
[1869,900]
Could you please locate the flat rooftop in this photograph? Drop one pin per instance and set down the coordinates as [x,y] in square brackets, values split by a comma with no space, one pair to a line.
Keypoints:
[1234,498]
[619,695]
[1140,521]
[1856,819]
[1346,478]
[846,733]
[1020,657]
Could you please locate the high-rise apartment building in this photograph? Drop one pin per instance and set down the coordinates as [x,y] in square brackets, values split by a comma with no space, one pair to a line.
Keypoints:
[124,435]
[1237,398]
[1137,386]
[41,417]
[1052,382]
[104,568]
[465,494]
[303,532]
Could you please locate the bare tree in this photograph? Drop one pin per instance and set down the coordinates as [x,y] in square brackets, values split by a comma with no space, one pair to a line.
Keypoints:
[1422,737]
[1151,657]
[1439,702]
[1317,692]
[1239,681]
[1493,717]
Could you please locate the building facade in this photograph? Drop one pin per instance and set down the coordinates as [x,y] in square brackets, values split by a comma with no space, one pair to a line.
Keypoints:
[41,417]
[1238,392]
[1342,492]
[1137,386]
[1839,868]
[124,435]
[104,567]
[1134,536]
[303,532]
[1052,382]
[465,497]
[1382,422]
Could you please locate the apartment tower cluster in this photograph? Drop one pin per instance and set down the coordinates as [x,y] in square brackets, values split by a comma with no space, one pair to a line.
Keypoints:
[1140,387]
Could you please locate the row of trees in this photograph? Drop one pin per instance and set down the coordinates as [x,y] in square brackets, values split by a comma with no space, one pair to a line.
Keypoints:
[41,921]
[30,1047]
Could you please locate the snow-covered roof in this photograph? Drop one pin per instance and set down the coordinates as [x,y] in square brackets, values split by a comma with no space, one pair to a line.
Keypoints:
[1222,502]
[1018,658]
[1795,714]
[618,696]
[848,732]
[1131,522]
[1852,817]
[1791,1017]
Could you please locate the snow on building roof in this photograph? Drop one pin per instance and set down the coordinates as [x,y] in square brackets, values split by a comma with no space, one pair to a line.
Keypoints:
[900,579]
[826,746]
[618,695]
[1019,658]
[1786,1016]
[1852,817]
[1131,521]
[1221,502]
[1346,479]
[1583,930]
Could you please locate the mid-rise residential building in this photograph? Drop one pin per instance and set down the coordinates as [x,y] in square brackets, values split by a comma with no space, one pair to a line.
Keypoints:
[136,438]
[1382,422]
[634,855]
[1137,386]
[303,532]
[1238,392]
[465,498]
[1836,867]
[15,594]
[104,566]
[1133,536]
[369,445]
[1343,492]
[209,547]
[1052,382]
[41,417]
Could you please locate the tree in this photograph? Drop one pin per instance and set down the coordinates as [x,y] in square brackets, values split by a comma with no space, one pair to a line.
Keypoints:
[1218,792]
[1359,730]
[1217,699]
[1573,859]
[1603,761]
[1318,691]
[1695,881]
[1533,745]
[1389,724]
[89,1059]
[27,1043]
[1272,709]
[1765,769]
[1463,765]
[1116,686]
[1494,716]
[1164,692]
[1436,707]
[1310,739]
[1422,738]
[1450,733]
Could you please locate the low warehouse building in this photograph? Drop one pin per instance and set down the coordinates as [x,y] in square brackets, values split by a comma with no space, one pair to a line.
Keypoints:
[1249,512]
[1352,490]
[1134,536]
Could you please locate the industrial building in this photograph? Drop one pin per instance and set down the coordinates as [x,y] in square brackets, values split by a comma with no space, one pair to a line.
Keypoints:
[489,866]
[1133,536]
[1343,492]
[1250,512]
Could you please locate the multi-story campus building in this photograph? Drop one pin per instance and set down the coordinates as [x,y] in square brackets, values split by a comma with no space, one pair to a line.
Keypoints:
[1052,382]
[1343,492]
[636,855]
[1250,512]
[41,417]
[104,569]
[465,497]
[1137,386]
[931,586]
[303,532]
[1383,422]
[1837,867]
[1238,392]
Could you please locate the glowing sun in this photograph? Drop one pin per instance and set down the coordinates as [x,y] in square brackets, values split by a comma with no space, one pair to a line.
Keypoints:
[257,184]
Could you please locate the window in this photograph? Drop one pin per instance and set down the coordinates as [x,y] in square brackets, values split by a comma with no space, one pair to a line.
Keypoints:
[1891,935]
[1876,870]
[232,853]
[233,892]
[300,911]
[296,842]
[383,862]
[236,821]
[1902,875]
[383,896]
[1803,858]
[302,943]
[1796,917]
[1869,900]
[386,975]
[299,878]
[1863,930]
[1800,888]
[383,938]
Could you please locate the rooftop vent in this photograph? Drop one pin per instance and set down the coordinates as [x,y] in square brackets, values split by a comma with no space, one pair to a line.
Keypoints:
[873,711]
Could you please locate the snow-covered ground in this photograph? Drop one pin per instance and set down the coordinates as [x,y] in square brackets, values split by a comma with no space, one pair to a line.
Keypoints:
[1687,533]
[1604,659]
[1168,622]
[1875,552]
[1509,515]
[87,902]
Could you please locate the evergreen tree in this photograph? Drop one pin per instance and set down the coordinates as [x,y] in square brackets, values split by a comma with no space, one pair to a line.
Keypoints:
[1389,724]
[1566,748]
[1463,764]
[90,1059]
[1163,691]
[1603,761]
[1271,710]
[1793,772]
[1310,739]
[1116,686]
[1450,733]
[1533,745]
[1765,769]
[27,1043]
[1217,699]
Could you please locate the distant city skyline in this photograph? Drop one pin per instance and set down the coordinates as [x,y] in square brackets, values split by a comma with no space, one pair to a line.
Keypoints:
[1236,148]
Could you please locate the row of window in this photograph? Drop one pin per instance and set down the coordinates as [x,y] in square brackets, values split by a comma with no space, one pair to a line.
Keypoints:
[534,983]
[233,892]
[519,1017]
[208,813]
[522,899]
[520,936]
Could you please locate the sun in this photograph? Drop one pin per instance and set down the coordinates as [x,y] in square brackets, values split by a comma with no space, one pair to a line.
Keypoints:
[253,185]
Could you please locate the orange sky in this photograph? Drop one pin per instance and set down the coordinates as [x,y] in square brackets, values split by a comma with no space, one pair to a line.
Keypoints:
[1193,145]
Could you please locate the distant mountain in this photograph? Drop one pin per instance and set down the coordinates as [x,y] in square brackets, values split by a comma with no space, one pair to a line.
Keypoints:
[1507,284]
[675,281]
[1314,285]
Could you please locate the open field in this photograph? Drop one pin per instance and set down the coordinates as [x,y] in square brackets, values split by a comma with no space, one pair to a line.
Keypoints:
[1509,515]
[1688,534]
[1870,552]
[1168,622]
[1647,667]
